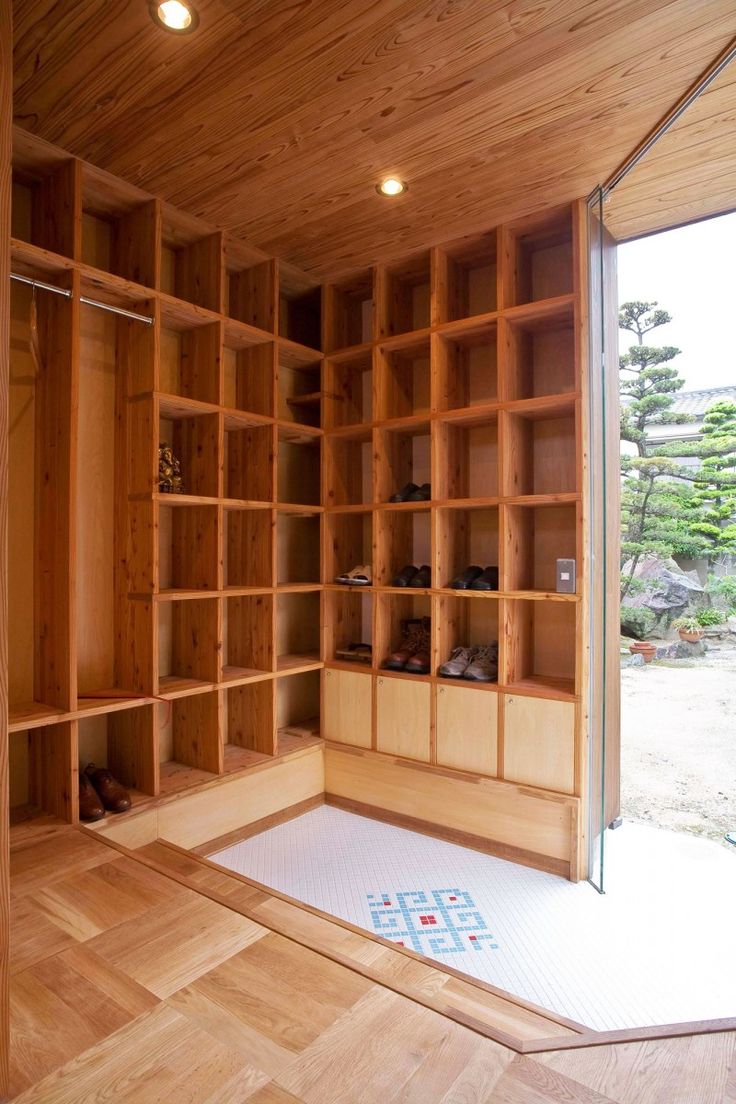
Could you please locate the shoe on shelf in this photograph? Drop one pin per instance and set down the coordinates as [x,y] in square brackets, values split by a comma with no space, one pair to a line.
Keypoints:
[484,665]
[405,576]
[466,578]
[420,494]
[114,797]
[355,653]
[90,804]
[487,580]
[458,663]
[414,641]
[423,577]
[418,664]
[362,575]
[403,494]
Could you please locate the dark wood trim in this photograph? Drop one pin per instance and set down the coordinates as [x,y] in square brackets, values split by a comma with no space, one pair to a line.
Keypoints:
[204,850]
[632,1035]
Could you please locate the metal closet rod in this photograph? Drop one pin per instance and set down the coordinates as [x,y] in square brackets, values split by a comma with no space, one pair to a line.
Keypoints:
[67,294]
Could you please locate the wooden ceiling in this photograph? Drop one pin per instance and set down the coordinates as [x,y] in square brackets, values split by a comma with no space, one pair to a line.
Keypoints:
[276,118]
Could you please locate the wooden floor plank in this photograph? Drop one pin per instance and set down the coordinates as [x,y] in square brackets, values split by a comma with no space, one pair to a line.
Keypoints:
[65,853]
[529,1082]
[33,936]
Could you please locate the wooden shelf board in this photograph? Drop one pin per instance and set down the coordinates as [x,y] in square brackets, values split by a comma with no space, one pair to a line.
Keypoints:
[235,419]
[294,433]
[469,327]
[342,588]
[406,506]
[544,407]
[559,498]
[414,424]
[109,701]
[241,335]
[31,260]
[543,686]
[542,310]
[291,664]
[173,686]
[292,354]
[182,595]
[307,730]
[165,499]
[245,504]
[177,406]
[405,341]
[403,675]
[346,665]
[404,590]
[492,686]
[350,352]
[238,758]
[541,596]
[303,508]
[452,593]
[32,715]
[478,414]
[243,591]
[181,315]
[356,508]
[237,676]
[114,290]
[359,431]
[311,399]
[175,777]
[28,815]
[490,503]
[297,588]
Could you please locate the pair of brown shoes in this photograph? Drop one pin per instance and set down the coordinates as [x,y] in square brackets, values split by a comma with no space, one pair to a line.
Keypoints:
[412,655]
[100,791]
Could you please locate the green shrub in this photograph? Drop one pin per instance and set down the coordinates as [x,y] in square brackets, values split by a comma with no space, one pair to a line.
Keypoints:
[723,586]
[636,621]
[687,624]
[710,617]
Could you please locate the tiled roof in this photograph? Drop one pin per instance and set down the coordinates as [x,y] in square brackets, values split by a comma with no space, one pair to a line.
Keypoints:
[695,403]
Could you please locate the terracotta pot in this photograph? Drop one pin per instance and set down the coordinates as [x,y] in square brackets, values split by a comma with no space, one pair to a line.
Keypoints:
[644,648]
[691,637]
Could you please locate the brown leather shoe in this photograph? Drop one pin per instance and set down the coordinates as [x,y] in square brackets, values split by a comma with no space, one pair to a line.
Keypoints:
[90,805]
[114,797]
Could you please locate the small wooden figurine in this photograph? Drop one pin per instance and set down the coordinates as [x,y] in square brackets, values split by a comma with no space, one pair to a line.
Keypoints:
[169,471]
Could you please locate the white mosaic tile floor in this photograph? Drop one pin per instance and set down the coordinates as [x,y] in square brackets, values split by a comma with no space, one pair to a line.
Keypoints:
[656,948]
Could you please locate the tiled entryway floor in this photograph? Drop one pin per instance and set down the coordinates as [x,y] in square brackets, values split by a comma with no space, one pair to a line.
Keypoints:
[656,948]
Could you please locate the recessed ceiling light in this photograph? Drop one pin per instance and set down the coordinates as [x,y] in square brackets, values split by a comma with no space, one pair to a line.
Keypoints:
[391,187]
[174,15]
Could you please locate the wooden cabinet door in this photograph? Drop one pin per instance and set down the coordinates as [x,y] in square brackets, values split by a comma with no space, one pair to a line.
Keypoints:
[348,707]
[467,729]
[539,743]
[402,708]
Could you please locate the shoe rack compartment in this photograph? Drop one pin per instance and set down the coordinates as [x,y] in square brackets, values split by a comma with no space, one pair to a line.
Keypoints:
[188,547]
[298,548]
[467,281]
[540,356]
[191,262]
[248,548]
[540,452]
[189,741]
[348,542]
[189,636]
[467,368]
[46,205]
[403,717]
[195,441]
[298,470]
[402,537]
[348,620]
[250,291]
[299,394]
[467,462]
[348,469]
[248,461]
[403,296]
[466,537]
[467,729]
[349,311]
[297,707]
[120,230]
[123,743]
[539,743]
[402,456]
[466,622]
[248,376]
[403,384]
[391,611]
[248,722]
[536,537]
[190,362]
[348,391]
[297,630]
[348,707]
[540,645]
[247,636]
[539,264]
[300,314]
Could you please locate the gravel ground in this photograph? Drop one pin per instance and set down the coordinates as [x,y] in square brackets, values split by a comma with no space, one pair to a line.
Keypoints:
[678,743]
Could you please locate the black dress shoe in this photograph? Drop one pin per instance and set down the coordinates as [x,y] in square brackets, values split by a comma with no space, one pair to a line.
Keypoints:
[464,580]
[405,576]
[488,580]
[420,494]
[423,577]
[404,493]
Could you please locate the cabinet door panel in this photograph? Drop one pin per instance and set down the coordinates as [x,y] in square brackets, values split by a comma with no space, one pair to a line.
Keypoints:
[539,743]
[348,708]
[402,707]
[467,729]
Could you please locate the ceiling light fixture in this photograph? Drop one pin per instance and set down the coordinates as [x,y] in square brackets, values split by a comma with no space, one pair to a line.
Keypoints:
[392,187]
[173,15]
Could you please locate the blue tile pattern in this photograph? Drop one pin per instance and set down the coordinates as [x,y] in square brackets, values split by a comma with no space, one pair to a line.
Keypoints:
[431,922]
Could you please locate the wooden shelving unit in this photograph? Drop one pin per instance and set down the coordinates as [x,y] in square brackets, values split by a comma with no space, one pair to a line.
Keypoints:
[460,367]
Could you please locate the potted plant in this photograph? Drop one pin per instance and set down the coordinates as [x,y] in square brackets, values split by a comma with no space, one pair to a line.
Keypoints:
[689,629]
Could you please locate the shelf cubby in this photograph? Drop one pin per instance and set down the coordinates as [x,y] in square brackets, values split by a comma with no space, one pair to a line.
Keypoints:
[348,620]
[536,537]
[298,469]
[467,368]
[540,638]
[187,547]
[248,548]
[248,474]
[348,542]
[467,286]
[189,638]
[248,722]
[297,548]
[190,748]
[299,394]
[43,772]
[124,743]
[349,312]
[120,229]
[194,439]
[540,452]
[191,262]
[190,361]
[465,537]
[297,706]
[467,457]
[402,537]
[539,258]
[46,207]
[250,290]
[403,296]
[300,314]
[392,610]
[403,381]
[402,456]
[297,630]
[247,636]
[348,469]
[348,391]
[465,623]
[540,356]
[248,376]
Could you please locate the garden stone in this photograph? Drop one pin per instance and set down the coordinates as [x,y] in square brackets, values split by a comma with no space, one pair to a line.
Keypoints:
[633,661]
